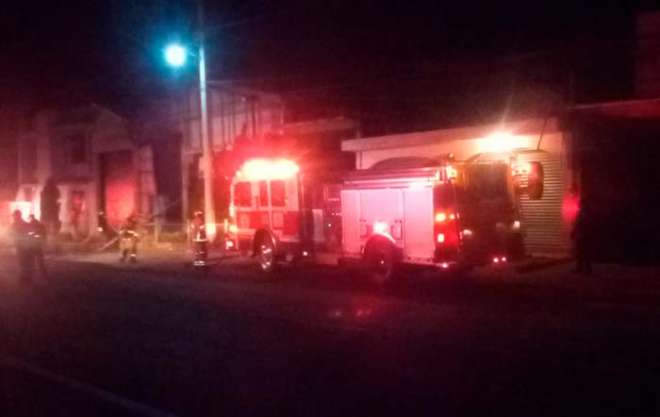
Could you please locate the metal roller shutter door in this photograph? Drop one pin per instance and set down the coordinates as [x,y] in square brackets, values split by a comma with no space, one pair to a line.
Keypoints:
[545,231]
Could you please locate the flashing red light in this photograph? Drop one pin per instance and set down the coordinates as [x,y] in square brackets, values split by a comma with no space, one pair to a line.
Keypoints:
[440,217]
[503,258]
[444,265]
[570,207]
[496,260]
[441,238]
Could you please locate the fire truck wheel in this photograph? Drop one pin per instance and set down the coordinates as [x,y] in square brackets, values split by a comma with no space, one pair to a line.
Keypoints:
[266,254]
[381,262]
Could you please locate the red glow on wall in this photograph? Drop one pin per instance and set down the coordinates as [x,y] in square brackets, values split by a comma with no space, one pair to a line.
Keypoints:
[570,207]
[119,186]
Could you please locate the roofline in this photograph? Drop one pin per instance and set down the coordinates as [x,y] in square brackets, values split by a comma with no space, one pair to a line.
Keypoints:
[587,106]
[521,127]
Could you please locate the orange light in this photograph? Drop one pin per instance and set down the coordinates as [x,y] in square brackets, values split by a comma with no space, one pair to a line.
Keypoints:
[440,217]
[441,238]
[381,227]
[268,169]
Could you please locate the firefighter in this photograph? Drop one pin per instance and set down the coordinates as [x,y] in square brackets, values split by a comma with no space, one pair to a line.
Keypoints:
[37,240]
[128,239]
[199,240]
[19,232]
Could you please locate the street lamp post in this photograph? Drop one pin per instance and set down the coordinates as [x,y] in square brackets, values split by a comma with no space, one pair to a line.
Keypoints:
[175,55]
[207,151]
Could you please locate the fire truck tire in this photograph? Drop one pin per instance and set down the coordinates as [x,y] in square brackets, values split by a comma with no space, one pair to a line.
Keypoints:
[381,262]
[265,254]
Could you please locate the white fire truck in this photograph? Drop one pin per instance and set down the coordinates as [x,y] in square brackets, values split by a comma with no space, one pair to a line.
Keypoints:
[442,216]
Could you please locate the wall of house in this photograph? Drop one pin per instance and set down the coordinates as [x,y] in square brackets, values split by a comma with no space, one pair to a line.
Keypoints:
[647,51]
[233,115]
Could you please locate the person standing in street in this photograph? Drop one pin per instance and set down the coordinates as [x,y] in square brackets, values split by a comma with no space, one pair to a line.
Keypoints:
[128,239]
[19,232]
[199,241]
[37,237]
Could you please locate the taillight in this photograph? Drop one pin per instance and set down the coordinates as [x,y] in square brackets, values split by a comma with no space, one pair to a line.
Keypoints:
[446,228]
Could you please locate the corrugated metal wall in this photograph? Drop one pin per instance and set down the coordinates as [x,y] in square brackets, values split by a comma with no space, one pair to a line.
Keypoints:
[546,233]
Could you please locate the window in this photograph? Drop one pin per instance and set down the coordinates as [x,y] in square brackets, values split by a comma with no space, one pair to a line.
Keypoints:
[263,193]
[243,194]
[277,193]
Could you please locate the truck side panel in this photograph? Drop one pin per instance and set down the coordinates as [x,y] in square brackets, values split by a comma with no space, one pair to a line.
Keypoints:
[350,203]
[418,224]
[381,205]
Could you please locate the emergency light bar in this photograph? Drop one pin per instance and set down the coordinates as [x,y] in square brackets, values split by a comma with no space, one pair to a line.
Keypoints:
[267,169]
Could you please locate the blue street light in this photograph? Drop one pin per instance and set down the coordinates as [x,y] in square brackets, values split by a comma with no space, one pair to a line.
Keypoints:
[175,55]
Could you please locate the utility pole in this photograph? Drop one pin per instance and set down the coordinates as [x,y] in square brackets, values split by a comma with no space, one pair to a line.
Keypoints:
[207,150]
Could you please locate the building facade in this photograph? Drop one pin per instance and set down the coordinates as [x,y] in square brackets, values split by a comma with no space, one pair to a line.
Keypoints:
[99,173]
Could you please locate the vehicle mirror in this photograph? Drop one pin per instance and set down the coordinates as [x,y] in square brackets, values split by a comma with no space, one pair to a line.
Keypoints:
[528,177]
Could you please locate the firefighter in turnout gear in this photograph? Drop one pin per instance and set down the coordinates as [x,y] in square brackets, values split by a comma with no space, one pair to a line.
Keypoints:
[37,240]
[199,240]
[19,232]
[128,239]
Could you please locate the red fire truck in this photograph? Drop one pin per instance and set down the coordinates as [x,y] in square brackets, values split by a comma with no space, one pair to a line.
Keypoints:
[443,215]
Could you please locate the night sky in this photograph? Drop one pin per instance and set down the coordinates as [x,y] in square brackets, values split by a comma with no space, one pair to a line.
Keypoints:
[444,62]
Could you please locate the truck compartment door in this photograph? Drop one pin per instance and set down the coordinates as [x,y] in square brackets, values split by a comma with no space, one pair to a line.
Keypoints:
[418,223]
[350,207]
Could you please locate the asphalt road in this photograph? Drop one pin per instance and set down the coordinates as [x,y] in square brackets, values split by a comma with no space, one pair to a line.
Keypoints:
[99,341]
